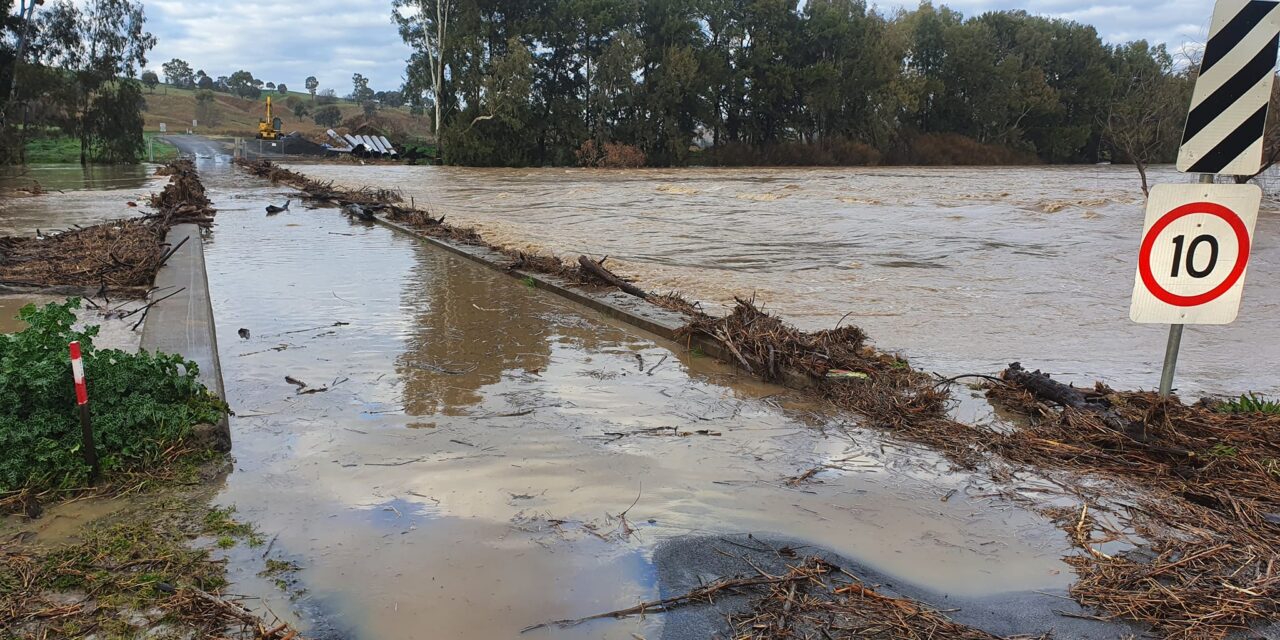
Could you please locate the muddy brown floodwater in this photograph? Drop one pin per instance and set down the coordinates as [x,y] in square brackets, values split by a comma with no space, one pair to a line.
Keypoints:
[963,269]
[460,468]
[74,195]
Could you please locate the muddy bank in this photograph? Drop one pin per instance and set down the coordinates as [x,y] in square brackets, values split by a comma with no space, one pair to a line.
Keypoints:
[141,564]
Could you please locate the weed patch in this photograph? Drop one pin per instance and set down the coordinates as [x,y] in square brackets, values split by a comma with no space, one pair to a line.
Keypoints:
[142,404]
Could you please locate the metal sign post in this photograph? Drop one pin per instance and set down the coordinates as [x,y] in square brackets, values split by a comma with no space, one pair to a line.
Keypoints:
[1195,244]
[1170,359]
[1175,336]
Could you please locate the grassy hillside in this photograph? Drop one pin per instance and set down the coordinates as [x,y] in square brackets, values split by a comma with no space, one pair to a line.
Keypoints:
[239,116]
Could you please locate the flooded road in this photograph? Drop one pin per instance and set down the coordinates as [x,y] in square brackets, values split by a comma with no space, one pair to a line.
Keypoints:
[455,452]
[963,269]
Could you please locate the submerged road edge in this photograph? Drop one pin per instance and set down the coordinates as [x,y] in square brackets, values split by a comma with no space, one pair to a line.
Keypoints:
[615,304]
[183,322]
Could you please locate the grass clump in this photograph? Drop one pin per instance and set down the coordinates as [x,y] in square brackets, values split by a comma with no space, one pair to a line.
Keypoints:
[220,521]
[1250,403]
[142,404]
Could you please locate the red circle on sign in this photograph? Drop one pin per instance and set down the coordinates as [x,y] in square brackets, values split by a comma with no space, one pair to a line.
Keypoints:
[1149,243]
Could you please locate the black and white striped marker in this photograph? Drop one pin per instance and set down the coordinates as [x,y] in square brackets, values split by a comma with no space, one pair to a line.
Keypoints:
[1229,105]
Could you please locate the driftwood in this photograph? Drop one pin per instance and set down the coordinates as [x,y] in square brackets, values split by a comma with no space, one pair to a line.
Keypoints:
[1044,387]
[281,631]
[700,594]
[597,270]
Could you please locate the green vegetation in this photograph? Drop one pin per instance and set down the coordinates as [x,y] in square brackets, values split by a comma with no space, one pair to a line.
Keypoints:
[1221,450]
[77,68]
[164,151]
[1250,403]
[220,521]
[282,574]
[141,403]
[58,149]
[782,82]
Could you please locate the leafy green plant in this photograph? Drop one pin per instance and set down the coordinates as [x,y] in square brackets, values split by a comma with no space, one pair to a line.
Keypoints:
[529,282]
[140,403]
[1250,403]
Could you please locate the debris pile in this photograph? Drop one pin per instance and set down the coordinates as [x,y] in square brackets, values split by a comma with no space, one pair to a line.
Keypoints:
[1207,483]
[119,255]
[884,388]
[183,200]
[813,599]
[1210,512]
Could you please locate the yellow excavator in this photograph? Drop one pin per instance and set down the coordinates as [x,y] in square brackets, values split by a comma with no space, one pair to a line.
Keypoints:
[269,128]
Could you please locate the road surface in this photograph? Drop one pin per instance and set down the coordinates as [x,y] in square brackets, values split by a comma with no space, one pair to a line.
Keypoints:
[199,146]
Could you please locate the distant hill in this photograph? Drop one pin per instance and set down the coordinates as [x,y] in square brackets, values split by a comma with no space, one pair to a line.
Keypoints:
[235,116]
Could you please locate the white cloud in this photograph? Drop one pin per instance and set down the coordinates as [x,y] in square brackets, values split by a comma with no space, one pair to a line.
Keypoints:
[283,41]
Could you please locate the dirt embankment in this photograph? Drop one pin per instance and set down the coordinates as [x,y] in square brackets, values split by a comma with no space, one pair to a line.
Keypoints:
[1197,484]
[233,115]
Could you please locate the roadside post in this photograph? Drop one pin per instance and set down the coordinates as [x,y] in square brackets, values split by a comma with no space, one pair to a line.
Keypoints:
[1196,237]
[82,401]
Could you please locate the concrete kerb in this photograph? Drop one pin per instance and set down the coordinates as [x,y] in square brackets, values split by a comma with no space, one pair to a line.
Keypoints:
[615,304]
[183,323]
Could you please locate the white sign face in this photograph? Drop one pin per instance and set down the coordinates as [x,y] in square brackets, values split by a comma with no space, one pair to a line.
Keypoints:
[162,127]
[1194,253]
[194,124]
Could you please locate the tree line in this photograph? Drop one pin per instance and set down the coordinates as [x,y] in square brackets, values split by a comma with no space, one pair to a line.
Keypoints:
[73,68]
[776,81]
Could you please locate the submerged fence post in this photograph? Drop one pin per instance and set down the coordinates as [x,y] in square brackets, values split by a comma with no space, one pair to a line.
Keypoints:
[82,400]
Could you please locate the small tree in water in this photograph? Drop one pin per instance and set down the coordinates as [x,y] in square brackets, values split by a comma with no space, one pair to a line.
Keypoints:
[1148,106]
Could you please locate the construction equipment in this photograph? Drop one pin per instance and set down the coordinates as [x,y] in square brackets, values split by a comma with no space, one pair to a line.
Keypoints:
[269,128]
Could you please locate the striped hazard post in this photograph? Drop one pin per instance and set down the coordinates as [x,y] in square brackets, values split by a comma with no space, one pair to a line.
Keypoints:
[82,399]
[1229,104]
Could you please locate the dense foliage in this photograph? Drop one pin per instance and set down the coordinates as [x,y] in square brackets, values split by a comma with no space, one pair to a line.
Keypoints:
[768,80]
[77,76]
[140,403]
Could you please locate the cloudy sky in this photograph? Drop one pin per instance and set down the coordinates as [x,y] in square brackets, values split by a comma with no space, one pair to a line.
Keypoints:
[288,40]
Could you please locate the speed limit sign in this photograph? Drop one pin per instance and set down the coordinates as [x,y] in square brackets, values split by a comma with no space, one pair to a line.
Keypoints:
[1194,253]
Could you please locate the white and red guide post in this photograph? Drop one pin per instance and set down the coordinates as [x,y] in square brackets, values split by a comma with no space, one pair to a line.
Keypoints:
[82,399]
